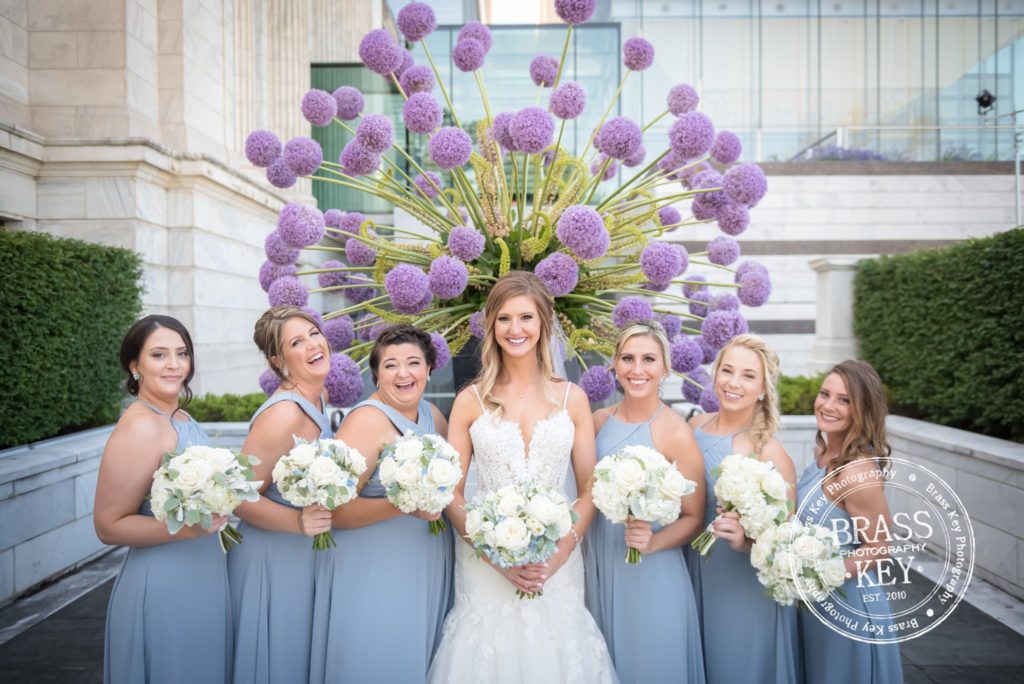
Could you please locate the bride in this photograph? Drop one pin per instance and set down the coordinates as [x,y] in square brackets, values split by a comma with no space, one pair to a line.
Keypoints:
[521,424]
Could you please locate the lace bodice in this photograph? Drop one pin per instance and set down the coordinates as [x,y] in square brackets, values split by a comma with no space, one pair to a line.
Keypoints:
[502,457]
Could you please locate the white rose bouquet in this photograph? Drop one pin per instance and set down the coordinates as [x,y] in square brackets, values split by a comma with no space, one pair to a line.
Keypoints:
[797,562]
[518,524]
[420,473]
[202,481]
[324,472]
[755,489]
[640,482]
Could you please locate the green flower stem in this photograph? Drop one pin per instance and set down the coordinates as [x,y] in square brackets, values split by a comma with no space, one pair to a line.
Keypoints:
[344,269]
[561,62]
[604,304]
[597,179]
[483,96]
[547,176]
[622,188]
[687,378]
[383,299]
[337,288]
[673,312]
[440,83]
[662,201]
[618,91]
[701,282]
[476,211]
[457,323]
[665,295]
[394,79]
[654,121]
[705,262]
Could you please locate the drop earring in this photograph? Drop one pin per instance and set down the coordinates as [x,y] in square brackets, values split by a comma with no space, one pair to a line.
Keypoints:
[284,372]
[135,375]
[761,398]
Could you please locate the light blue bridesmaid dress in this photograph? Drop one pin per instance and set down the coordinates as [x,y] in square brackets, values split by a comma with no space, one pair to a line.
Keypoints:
[748,637]
[169,616]
[646,612]
[271,576]
[383,593]
[833,657]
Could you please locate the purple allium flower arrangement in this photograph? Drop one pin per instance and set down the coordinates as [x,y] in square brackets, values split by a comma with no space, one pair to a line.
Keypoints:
[444,352]
[510,192]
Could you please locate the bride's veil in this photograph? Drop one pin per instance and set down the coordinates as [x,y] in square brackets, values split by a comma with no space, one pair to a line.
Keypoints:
[560,350]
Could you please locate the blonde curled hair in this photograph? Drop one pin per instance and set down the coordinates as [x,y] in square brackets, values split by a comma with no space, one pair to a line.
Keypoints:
[515,284]
[268,330]
[766,414]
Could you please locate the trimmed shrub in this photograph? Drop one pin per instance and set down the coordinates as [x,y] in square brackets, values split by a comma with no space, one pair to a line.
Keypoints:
[797,394]
[64,307]
[945,330]
[229,408]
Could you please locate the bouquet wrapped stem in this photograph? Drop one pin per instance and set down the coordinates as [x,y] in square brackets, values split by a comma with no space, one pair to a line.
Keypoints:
[633,556]
[229,537]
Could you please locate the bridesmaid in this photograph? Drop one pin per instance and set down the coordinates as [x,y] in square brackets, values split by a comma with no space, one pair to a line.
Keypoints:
[647,612]
[271,572]
[169,617]
[850,413]
[382,597]
[748,637]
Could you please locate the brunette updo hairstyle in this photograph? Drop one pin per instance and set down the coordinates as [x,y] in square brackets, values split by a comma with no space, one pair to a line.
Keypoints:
[402,334]
[135,339]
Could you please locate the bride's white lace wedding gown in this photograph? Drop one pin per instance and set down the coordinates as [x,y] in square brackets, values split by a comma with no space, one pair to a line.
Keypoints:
[490,635]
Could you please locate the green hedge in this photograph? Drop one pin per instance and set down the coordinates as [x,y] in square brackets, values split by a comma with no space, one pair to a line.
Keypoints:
[945,329]
[230,408]
[64,307]
[797,393]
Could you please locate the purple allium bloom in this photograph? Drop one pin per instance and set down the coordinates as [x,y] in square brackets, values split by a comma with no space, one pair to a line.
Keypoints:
[278,251]
[671,324]
[574,11]
[300,226]
[422,113]
[319,107]
[691,135]
[334,278]
[379,52]
[417,79]
[692,173]
[356,160]
[721,326]
[332,217]
[692,392]
[702,209]
[476,324]
[343,383]
[468,55]
[358,295]
[709,400]
[269,272]
[463,215]
[351,222]
[444,353]
[744,184]
[287,291]
[407,63]
[682,99]
[316,316]
[725,301]
[663,261]
[655,287]
[262,148]
[350,102]
[370,328]
[359,253]
[477,32]
[280,175]
[669,216]
[543,70]
[686,354]
[727,147]
[465,243]
[699,302]
[635,159]
[707,349]
[559,273]
[416,21]
[733,218]
[429,184]
[374,132]
[532,129]
[599,383]
[619,137]
[746,267]
[303,155]
[448,277]
[581,229]
[339,332]
[450,147]
[599,163]
[723,250]
[637,54]
[631,309]
[568,100]
[689,288]
[269,382]
[755,288]
[407,286]
[499,130]
[670,165]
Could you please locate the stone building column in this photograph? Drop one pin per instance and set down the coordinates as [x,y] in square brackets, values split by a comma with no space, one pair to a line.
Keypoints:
[833,330]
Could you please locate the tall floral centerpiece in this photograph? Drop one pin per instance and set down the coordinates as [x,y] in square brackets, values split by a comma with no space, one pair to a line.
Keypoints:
[504,193]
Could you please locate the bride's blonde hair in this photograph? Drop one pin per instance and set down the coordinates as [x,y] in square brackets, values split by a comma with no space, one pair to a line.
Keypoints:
[515,284]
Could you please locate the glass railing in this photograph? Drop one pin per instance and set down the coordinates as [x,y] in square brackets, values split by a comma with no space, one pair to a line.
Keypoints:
[920,143]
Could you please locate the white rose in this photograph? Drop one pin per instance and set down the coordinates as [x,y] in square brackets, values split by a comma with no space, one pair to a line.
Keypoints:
[474,519]
[629,475]
[302,455]
[441,473]
[217,500]
[774,485]
[408,474]
[357,461]
[487,530]
[222,460]
[808,549]
[510,503]
[511,534]
[543,509]
[833,572]
[759,554]
[388,470]
[675,486]
[784,564]
[324,471]
[407,449]
[406,501]
[563,523]
[193,476]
